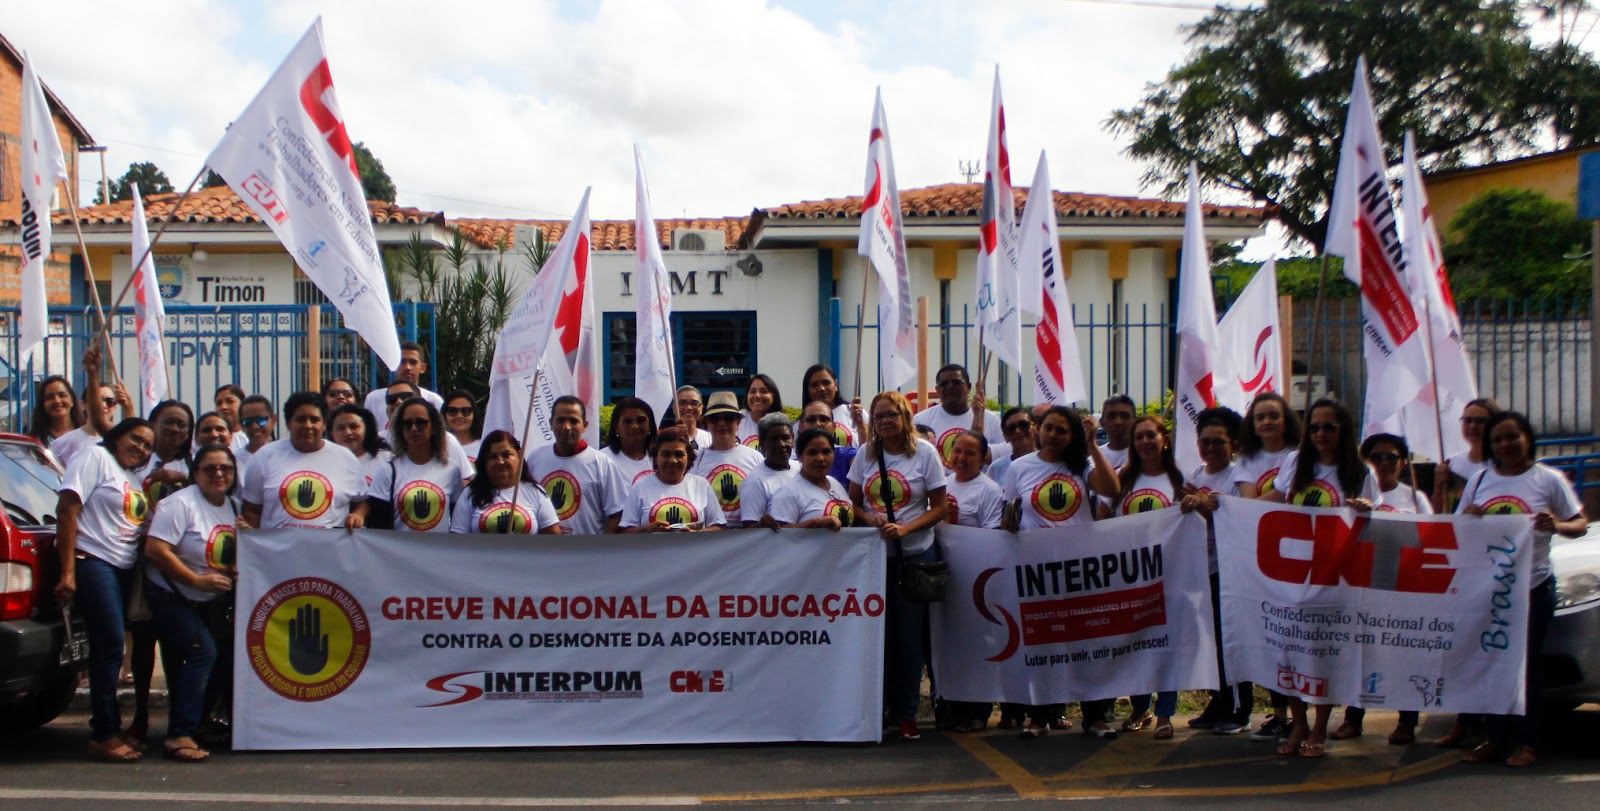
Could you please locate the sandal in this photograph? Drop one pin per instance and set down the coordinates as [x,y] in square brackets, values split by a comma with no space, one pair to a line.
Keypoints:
[1313,750]
[1060,724]
[1523,757]
[1030,733]
[971,726]
[1484,753]
[1455,737]
[1137,722]
[185,754]
[1346,731]
[113,750]
[1290,746]
[1163,733]
[1403,736]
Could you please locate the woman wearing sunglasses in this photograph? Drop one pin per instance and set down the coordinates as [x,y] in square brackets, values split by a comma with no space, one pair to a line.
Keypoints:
[462,420]
[422,481]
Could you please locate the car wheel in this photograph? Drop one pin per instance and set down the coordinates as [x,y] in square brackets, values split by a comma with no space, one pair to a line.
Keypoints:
[39,708]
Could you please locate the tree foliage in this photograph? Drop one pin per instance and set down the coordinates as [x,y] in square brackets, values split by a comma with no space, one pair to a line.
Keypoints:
[146,176]
[1298,276]
[1517,244]
[1260,101]
[472,299]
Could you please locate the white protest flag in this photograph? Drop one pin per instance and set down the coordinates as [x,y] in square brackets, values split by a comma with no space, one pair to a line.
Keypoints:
[883,243]
[1252,339]
[1057,367]
[1426,418]
[1204,376]
[149,314]
[290,159]
[999,316]
[534,344]
[42,168]
[1362,228]
[653,378]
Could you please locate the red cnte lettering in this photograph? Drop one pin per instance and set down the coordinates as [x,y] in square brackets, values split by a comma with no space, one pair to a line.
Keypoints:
[314,93]
[1425,572]
[1337,553]
[697,681]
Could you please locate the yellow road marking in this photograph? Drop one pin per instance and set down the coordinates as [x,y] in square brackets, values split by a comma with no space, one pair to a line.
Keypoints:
[856,791]
[1097,774]
[1026,784]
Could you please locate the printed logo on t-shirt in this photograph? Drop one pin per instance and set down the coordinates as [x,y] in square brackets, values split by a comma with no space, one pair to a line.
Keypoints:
[947,444]
[1267,481]
[222,548]
[135,505]
[499,519]
[1317,494]
[305,494]
[1057,498]
[421,505]
[843,437]
[753,441]
[642,474]
[840,510]
[899,490]
[725,481]
[161,490]
[564,492]
[1506,505]
[1145,500]
[673,510]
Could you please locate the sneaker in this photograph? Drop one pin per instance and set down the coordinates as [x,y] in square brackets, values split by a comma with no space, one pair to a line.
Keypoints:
[909,731]
[1228,728]
[1270,730]
[1202,722]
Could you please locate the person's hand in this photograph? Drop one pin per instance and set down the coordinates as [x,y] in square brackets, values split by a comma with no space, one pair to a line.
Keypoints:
[1191,502]
[1472,509]
[91,356]
[979,402]
[213,583]
[855,409]
[1361,505]
[1545,521]
[769,522]
[124,399]
[66,587]
[871,519]
[1090,427]
[240,522]
[828,522]
[660,525]
[354,521]
[891,532]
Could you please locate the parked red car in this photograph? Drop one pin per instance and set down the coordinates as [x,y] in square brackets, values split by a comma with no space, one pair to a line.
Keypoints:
[38,676]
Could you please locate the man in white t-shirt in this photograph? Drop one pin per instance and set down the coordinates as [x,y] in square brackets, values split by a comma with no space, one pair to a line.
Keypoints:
[305,480]
[689,406]
[412,367]
[584,485]
[959,411]
[1116,417]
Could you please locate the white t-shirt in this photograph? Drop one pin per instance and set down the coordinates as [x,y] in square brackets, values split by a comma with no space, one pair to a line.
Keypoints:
[1403,499]
[377,403]
[458,457]
[369,467]
[946,427]
[1324,488]
[585,489]
[688,502]
[1260,470]
[800,500]
[762,483]
[1223,483]
[726,471]
[1052,495]
[1537,489]
[114,506]
[69,444]
[470,449]
[911,478]
[1461,464]
[533,510]
[977,502]
[1115,458]
[844,426]
[298,489]
[202,534]
[632,470]
[747,432]
[423,494]
[1147,494]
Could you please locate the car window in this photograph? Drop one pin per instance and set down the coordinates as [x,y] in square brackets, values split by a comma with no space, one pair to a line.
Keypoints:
[29,480]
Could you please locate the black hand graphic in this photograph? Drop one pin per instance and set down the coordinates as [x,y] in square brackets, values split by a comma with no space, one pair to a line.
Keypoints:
[1503,509]
[141,505]
[304,495]
[420,508]
[558,494]
[1146,504]
[845,517]
[1058,498]
[230,550]
[502,522]
[308,645]
[727,490]
[1312,498]
[674,515]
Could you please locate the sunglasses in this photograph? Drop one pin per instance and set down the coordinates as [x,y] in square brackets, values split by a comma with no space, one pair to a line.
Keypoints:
[111,401]
[398,398]
[217,470]
[415,423]
[817,419]
[458,411]
[886,415]
[1019,425]
[1323,428]
[259,422]
[1381,458]
[341,394]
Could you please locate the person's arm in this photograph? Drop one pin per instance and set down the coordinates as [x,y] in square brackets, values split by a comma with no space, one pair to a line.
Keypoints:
[1102,480]
[165,559]
[864,514]
[978,410]
[250,514]
[937,505]
[613,524]
[67,509]
[1573,527]
[99,415]
[1441,486]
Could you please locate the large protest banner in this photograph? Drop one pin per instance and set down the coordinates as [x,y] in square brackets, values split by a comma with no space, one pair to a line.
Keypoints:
[1075,613]
[391,640]
[1387,610]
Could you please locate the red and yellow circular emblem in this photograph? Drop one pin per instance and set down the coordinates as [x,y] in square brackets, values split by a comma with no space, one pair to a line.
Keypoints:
[1145,500]
[947,444]
[725,481]
[841,510]
[565,494]
[222,548]
[308,639]
[500,520]
[421,505]
[843,437]
[753,441]
[135,505]
[1317,494]
[1506,505]
[899,490]
[1267,481]
[673,510]
[1057,498]
[305,494]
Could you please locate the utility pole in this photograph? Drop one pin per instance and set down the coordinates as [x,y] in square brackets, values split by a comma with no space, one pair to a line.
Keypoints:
[969,169]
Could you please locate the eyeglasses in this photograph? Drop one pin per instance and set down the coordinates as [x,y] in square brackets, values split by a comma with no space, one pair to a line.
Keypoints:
[259,422]
[415,423]
[458,411]
[217,470]
[1018,425]
[816,419]
[109,401]
[398,398]
[1323,428]
[949,381]
[341,394]
[886,415]
[1381,458]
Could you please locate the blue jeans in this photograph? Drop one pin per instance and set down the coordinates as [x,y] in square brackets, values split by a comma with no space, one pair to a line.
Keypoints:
[1166,703]
[184,633]
[102,601]
[903,651]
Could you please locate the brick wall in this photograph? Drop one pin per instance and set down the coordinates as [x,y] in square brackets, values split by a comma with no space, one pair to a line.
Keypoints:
[57,275]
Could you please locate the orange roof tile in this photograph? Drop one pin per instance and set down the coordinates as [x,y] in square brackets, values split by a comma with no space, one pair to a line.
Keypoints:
[605,235]
[221,205]
[965,200]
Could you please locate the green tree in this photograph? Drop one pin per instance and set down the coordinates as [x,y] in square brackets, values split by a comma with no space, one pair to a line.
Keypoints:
[146,176]
[1515,244]
[1260,101]
[1298,276]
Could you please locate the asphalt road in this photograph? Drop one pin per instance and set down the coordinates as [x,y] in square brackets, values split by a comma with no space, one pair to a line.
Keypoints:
[48,769]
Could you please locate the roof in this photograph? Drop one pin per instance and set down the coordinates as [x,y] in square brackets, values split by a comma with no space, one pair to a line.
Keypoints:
[605,235]
[50,96]
[1482,167]
[221,205]
[966,199]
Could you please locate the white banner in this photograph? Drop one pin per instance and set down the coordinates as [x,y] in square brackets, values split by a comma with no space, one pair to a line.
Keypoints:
[1384,610]
[289,157]
[149,314]
[42,167]
[653,378]
[390,640]
[1057,366]
[883,243]
[1115,608]
[1252,340]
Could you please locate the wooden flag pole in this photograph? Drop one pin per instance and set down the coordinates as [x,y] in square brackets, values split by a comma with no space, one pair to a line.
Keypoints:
[527,425]
[861,320]
[94,291]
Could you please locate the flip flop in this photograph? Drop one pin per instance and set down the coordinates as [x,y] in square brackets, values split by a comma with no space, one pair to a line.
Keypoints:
[1163,733]
[1313,750]
[1030,733]
[185,754]
[114,750]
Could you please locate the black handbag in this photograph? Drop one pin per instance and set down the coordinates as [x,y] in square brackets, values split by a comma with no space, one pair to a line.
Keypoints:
[380,514]
[921,581]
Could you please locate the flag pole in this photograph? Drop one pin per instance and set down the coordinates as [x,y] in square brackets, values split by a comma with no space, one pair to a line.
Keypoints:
[1316,323]
[527,425]
[166,221]
[94,290]
[866,276]
[1433,379]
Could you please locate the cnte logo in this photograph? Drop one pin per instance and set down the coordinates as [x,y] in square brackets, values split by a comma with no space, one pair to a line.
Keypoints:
[1323,550]
[698,681]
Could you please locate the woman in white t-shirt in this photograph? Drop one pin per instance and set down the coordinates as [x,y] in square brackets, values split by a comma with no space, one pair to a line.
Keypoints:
[1452,474]
[461,419]
[820,384]
[421,482]
[101,512]
[974,500]
[903,505]
[55,410]
[354,428]
[1515,484]
[192,547]
[813,499]
[1325,471]
[761,398]
[502,498]
[671,500]
[632,435]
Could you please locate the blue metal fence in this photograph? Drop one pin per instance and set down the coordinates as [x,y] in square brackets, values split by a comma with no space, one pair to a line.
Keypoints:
[263,349]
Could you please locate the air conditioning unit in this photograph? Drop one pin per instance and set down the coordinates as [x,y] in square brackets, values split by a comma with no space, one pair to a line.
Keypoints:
[698,240]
